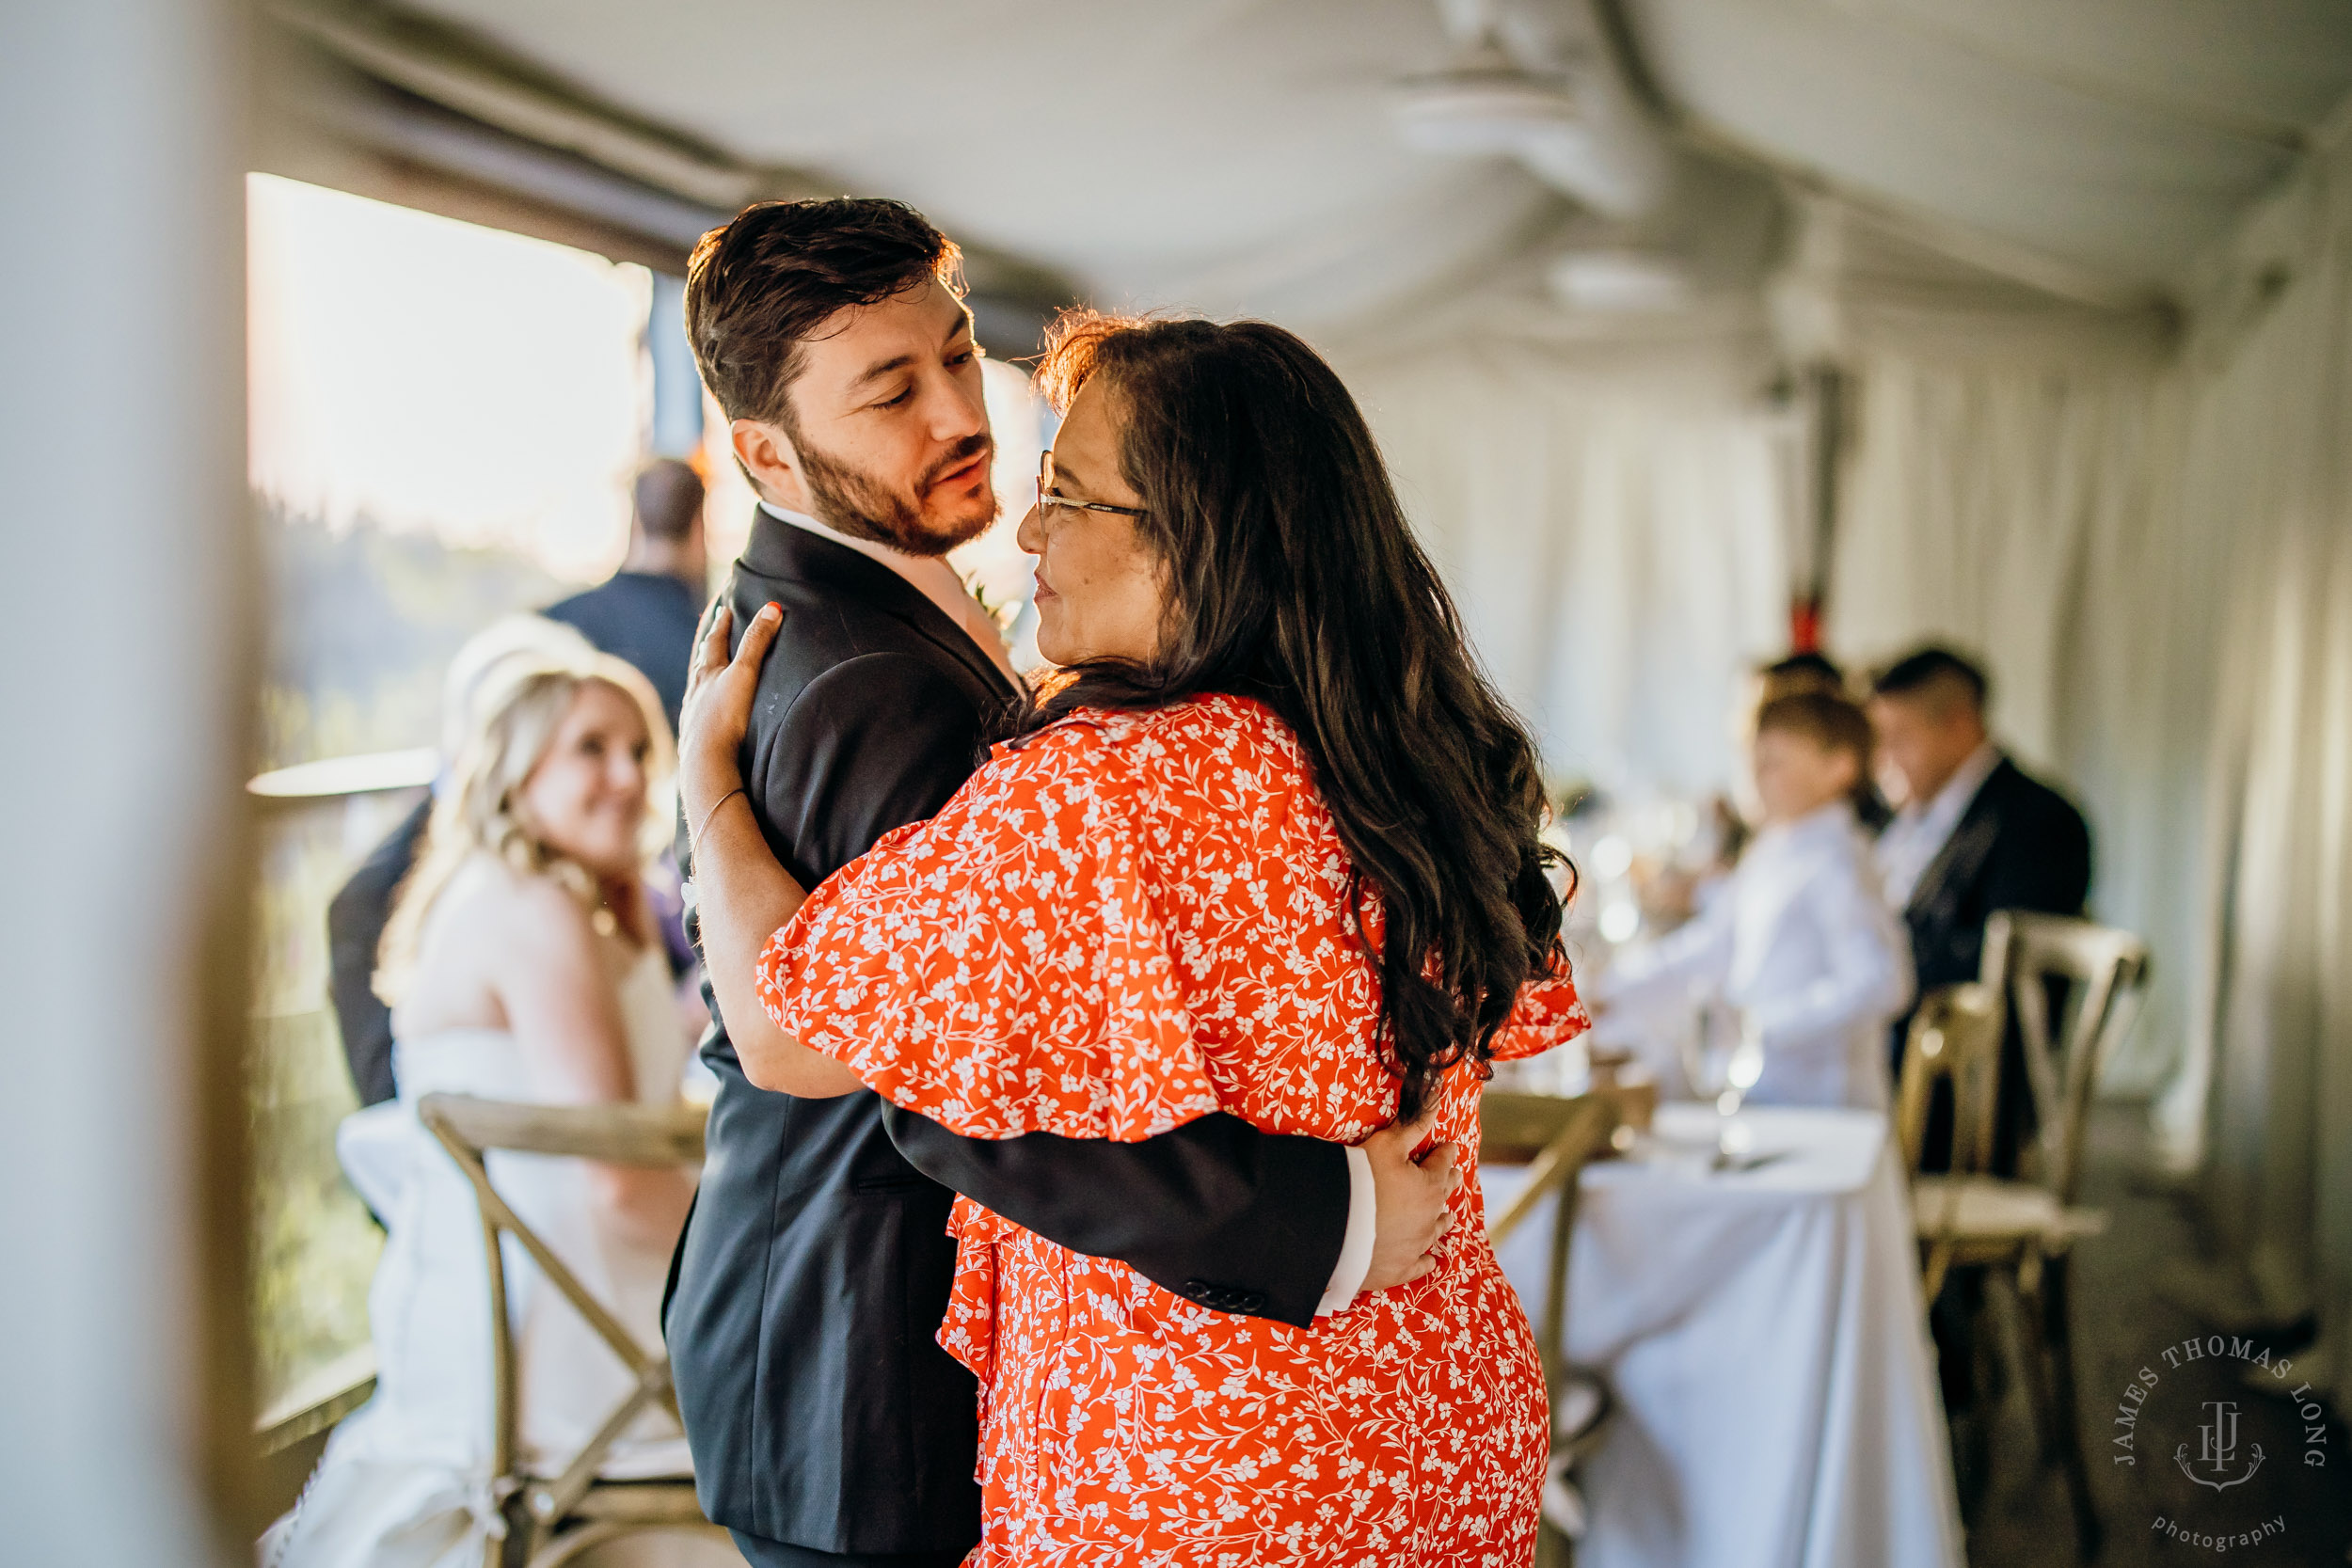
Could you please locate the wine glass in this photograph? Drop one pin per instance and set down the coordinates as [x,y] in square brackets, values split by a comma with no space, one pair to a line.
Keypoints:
[1723,1057]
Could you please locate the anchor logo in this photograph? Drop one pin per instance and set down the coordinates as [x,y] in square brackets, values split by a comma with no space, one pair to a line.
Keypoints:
[2217,1447]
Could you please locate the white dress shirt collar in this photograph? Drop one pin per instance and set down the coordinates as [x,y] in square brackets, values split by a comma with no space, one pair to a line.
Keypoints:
[1951,801]
[927,575]
[1921,829]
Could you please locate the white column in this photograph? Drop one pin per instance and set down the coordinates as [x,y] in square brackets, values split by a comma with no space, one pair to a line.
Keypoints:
[124,615]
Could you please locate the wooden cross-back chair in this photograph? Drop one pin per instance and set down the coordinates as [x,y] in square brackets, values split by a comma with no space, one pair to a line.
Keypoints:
[552,1519]
[2021,1228]
[2105,973]
[2102,973]
[1557,1138]
[1954,1039]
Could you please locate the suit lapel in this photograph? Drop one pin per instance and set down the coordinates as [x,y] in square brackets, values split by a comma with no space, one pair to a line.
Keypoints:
[929,621]
[778,550]
[1963,854]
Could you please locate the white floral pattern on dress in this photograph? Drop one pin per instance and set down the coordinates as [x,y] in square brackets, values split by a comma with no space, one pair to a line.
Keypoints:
[1126,922]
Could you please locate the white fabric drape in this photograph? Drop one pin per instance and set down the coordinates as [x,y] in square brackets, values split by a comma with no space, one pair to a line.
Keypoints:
[2268,466]
[2006,507]
[2156,563]
[1613,528]
[2151,549]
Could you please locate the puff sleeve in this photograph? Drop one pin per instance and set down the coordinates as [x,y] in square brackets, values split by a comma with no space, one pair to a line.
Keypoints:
[1002,968]
[1547,1013]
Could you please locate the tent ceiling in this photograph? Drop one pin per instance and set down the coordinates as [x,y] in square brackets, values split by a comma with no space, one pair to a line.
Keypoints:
[2120,135]
[1236,154]
[1230,155]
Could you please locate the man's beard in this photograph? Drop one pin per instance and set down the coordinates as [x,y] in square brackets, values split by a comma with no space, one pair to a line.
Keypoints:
[863,507]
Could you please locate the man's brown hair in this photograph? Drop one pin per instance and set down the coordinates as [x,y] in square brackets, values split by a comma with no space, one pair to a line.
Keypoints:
[1936,678]
[759,288]
[1832,724]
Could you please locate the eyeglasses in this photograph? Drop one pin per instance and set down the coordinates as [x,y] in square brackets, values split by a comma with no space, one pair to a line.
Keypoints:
[1045,496]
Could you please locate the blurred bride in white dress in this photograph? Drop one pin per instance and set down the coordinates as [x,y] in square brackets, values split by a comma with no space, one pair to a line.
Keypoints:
[521,964]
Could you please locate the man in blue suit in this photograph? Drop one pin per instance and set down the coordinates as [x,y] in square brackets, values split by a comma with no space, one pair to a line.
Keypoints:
[645,612]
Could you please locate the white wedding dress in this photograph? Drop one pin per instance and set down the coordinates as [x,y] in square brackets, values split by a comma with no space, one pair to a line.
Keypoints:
[405,1483]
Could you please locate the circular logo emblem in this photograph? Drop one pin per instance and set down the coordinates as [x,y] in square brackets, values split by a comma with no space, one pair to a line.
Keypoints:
[2201,1421]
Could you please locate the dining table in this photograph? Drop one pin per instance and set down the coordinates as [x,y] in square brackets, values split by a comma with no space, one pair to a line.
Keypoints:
[1756,1319]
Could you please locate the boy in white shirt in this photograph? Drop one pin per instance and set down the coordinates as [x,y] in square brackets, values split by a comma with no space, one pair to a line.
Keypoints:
[1800,940]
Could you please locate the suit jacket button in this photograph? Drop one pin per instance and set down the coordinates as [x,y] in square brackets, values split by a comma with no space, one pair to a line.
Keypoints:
[1198,1291]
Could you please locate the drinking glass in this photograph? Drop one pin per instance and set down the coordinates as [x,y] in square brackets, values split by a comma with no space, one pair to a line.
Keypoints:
[1723,1057]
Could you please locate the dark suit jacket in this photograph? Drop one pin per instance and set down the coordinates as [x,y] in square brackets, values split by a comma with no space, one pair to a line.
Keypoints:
[647,618]
[815,1268]
[355,929]
[2020,845]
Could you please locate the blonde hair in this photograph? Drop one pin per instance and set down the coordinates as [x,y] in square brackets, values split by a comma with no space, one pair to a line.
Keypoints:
[518,701]
[508,637]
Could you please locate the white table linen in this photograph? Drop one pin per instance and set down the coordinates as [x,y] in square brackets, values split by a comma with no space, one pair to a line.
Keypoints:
[1762,1332]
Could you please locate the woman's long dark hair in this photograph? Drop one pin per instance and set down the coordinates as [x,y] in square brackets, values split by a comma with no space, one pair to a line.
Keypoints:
[1295,579]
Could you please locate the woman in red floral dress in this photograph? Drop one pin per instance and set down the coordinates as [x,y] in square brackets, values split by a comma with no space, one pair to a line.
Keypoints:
[1270,850]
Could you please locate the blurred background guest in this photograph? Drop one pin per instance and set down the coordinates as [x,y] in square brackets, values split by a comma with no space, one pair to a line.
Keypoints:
[1815,671]
[357,916]
[1677,895]
[646,612]
[1805,671]
[1973,834]
[522,964]
[1799,942]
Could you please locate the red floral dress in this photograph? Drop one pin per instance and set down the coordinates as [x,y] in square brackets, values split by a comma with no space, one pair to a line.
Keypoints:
[1132,920]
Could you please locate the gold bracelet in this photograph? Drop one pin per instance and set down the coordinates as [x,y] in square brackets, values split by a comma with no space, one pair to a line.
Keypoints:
[694,840]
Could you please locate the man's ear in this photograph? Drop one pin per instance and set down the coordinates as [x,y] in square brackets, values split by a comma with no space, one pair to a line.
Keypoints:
[767,457]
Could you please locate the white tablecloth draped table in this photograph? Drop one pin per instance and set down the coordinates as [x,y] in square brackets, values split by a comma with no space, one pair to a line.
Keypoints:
[1763,1334]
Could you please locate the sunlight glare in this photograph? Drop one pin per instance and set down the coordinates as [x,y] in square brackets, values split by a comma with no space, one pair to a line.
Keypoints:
[430,375]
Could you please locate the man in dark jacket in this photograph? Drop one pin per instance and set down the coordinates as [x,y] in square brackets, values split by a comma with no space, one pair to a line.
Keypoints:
[828,1426]
[355,918]
[1976,835]
[645,612]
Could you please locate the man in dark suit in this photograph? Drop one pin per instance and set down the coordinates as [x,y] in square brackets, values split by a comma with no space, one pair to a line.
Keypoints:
[828,1426]
[355,918]
[646,612]
[1976,835]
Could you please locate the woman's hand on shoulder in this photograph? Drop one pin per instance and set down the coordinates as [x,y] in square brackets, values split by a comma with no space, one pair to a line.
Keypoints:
[718,707]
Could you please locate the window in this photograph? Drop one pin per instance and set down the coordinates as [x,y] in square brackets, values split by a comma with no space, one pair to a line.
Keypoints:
[444,419]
